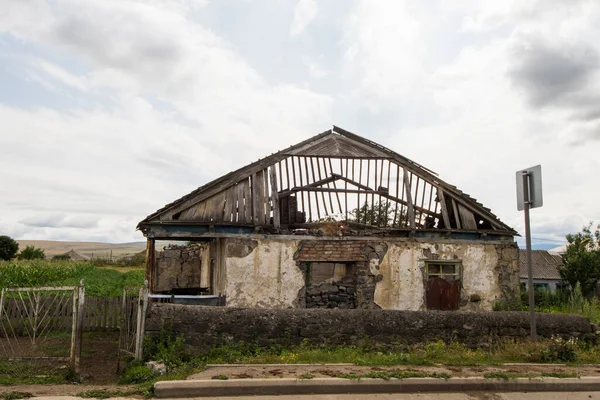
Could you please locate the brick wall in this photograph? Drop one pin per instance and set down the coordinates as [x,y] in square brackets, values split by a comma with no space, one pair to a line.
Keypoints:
[330,250]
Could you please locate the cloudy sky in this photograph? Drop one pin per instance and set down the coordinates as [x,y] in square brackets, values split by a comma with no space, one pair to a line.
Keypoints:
[111,108]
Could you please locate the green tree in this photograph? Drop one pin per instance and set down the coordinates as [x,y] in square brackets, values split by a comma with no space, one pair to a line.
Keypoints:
[31,253]
[581,260]
[379,214]
[8,248]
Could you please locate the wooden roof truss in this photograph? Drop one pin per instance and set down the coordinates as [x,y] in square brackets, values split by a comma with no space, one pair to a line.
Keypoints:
[336,176]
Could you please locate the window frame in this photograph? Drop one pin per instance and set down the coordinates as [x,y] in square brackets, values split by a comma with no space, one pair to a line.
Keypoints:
[457,274]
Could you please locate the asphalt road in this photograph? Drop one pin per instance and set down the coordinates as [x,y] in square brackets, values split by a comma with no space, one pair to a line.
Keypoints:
[428,396]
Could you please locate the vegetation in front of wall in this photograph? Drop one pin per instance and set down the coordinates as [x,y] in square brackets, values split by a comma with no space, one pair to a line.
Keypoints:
[513,375]
[97,281]
[23,372]
[15,395]
[396,374]
[454,353]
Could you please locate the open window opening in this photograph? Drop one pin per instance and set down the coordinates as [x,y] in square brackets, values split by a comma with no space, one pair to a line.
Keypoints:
[443,284]
[330,285]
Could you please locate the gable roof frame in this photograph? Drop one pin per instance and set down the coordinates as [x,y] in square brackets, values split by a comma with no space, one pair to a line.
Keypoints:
[374,149]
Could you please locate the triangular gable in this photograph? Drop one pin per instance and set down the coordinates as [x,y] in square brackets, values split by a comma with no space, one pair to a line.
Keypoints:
[253,194]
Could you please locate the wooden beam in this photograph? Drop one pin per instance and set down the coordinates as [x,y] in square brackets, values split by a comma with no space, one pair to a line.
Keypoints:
[456,216]
[444,209]
[150,273]
[320,176]
[254,195]
[275,199]
[411,210]
[334,184]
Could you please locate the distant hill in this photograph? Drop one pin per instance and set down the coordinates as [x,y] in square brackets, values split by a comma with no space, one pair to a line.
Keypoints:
[90,249]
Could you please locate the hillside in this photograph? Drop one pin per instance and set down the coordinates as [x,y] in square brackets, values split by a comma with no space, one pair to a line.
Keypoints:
[90,249]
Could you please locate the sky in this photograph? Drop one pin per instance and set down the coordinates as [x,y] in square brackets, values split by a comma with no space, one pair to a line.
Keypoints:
[110,109]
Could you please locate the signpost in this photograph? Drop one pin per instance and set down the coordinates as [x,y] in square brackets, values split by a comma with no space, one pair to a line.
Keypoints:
[529,195]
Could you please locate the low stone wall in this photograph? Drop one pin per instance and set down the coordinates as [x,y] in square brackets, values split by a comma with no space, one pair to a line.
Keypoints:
[205,327]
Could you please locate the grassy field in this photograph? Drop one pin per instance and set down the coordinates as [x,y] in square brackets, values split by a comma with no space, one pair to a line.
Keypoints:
[98,280]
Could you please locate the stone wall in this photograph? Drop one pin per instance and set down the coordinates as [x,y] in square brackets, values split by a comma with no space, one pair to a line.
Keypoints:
[340,294]
[181,268]
[205,327]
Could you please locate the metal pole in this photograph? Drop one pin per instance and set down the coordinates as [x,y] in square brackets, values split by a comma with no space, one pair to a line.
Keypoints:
[526,198]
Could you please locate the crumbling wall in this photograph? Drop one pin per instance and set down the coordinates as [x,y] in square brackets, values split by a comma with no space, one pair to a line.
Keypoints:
[387,273]
[183,267]
[262,273]
[487,270]
[205,327]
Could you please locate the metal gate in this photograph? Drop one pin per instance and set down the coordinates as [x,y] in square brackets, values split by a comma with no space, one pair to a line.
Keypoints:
[40,326]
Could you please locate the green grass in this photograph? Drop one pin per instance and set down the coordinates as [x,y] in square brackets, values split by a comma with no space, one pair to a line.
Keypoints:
[102,282]
[15,395]
[396,374]
[453,354]
[513,375]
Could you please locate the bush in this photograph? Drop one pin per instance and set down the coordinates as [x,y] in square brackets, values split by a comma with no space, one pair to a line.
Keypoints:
[560,349]
[137,374]
[166,348]
[8,248]
[31,253]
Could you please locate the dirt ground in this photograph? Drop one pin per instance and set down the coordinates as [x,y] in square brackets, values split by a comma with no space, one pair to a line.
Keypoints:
[324,371]
[295,371]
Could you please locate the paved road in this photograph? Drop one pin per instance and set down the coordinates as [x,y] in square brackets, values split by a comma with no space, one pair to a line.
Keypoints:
[429,396]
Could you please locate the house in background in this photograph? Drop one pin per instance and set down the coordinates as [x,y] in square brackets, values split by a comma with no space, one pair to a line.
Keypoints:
[71,255]
[544,265]
[336,221]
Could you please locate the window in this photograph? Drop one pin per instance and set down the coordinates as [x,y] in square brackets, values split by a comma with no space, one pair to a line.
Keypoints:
[448,271]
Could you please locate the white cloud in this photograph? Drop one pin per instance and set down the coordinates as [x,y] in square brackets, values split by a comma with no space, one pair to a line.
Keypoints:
[116,119]
[304,13]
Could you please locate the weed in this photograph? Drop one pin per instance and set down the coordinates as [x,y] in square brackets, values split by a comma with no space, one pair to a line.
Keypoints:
[137,374]
[15,395]
[220,377]
[95,394]
[561,375]
[166,348]
[560,349]
[503,375]
[306,376]
[396,374]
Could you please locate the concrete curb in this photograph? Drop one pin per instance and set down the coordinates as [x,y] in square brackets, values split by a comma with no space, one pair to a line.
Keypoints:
[246,387]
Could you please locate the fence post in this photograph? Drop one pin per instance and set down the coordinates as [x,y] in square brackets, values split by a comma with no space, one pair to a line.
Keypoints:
[80,321]
[74,327]
[141,321]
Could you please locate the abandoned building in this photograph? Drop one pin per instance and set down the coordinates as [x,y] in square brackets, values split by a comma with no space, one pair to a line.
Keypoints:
[336,221]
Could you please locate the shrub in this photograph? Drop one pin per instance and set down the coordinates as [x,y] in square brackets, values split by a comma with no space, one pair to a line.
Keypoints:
[31,253]
[560,349]
[137,374]
[8,248]
[166,348]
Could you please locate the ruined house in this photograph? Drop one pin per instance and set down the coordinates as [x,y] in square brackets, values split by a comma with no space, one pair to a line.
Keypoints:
[336,221]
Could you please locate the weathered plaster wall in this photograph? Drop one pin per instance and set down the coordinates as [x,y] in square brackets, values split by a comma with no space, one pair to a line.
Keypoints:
[262,273]
[485,269]
[389,274]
